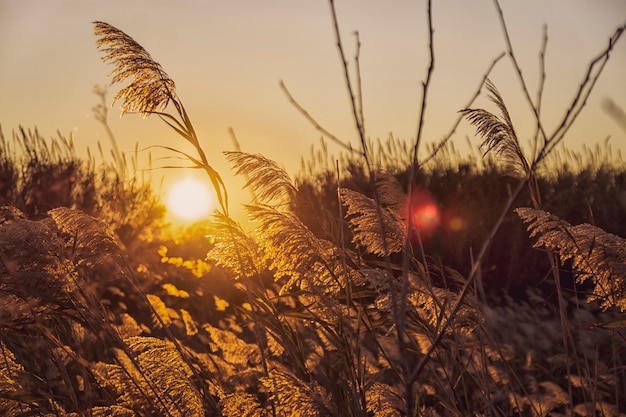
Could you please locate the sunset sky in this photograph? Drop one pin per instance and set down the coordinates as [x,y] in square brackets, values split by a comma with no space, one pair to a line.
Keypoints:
[227,58]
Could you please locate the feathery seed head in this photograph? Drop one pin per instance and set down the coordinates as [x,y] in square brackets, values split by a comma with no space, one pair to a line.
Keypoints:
[150,88]
[498,133]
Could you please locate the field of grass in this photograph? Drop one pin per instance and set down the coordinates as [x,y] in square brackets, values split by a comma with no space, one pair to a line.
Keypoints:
[377,283]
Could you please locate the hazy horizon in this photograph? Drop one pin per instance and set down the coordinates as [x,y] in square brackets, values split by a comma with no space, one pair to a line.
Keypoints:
[227,60]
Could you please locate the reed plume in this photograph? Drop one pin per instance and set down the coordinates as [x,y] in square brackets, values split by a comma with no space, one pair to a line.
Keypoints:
[149,92]
[151,88]
[498,133]
[596,255]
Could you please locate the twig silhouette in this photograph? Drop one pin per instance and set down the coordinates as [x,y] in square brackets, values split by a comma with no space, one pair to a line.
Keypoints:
[319,127]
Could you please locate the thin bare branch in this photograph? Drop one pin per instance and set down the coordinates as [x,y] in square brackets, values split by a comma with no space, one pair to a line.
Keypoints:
[517,68]
[358,79]
[425,84]
[442,143]
[355,113]
[580,99]
[314,122]
[540,88]
[408,380]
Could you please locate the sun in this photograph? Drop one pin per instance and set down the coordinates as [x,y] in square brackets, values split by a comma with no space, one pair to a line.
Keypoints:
[189,199]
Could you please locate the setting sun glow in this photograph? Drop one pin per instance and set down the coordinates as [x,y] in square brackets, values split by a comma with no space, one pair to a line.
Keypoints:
[189,199]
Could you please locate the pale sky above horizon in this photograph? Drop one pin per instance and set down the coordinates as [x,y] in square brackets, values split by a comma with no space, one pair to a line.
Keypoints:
[227,59]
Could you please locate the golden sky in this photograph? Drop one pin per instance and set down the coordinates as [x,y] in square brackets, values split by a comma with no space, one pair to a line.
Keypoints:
[227,58]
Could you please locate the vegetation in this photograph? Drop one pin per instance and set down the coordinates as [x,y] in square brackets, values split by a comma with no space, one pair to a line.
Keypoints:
[354,307]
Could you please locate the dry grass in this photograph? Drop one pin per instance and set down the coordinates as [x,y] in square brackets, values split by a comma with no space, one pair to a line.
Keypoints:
[353,322]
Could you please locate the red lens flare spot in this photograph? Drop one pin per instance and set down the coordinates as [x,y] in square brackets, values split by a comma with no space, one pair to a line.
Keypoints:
[424,213]
[456,224]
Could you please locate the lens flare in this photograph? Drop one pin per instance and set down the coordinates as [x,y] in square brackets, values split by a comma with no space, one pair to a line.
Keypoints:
[455,224]
[424,213]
